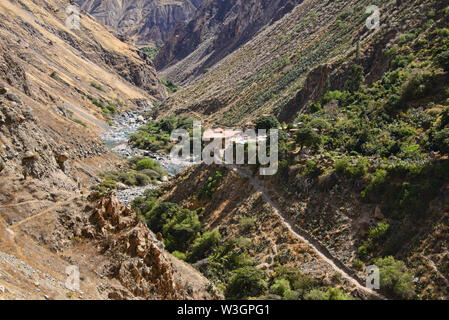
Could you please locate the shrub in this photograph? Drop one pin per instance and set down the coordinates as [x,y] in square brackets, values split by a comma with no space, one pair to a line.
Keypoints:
[246,223]
[357,264]
[280,286]
[204,245]
[336,294]
[179,255]
[320,124]
[145,164]
[267,123]
[330,294]
[97,86]
[161,214]
[80,122]
[332,95]
[418,86]
[307,137]
[315,294]
[291,295]
[379,232]
[395,279]
[443,60]
[142,179]
[342,166]
[444,118]
[180,230]
[312,169]
[209,188]
[153,174]
[406,38]
[112,109]
[356,79]
[246,282]
[441,140]
[170,85]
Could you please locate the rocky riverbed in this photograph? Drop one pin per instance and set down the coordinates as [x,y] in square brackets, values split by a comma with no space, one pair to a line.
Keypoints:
[117,139]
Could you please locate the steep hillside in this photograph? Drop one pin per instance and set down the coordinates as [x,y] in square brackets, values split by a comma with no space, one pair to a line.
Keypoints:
[363,161]
[146,23]
[266,73]
[57,89]
[245,231]
[217,29]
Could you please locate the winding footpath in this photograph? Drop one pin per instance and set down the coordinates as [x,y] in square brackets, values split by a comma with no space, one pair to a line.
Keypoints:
[129,122]
[302,235]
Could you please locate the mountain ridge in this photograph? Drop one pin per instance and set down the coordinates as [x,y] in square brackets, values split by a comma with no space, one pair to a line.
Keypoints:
[145,23]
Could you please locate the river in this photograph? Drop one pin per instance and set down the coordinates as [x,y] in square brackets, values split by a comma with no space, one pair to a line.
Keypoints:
[117,139]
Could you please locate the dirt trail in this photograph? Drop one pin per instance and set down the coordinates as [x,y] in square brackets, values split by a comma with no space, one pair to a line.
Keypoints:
[21,203]
[56,205]
[301,234]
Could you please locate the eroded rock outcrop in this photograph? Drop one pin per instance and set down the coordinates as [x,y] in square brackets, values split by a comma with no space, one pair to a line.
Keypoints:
[145,22]
[217,29]
[138,259]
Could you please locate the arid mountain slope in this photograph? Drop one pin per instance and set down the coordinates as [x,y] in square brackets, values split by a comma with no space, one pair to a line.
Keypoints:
[217,29]
[57,88]
[270,241]
[146,22]
[265,74]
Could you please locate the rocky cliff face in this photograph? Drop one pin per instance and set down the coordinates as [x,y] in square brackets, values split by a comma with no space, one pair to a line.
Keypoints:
[217,29]
[145,22]
[270,72]
[54,84]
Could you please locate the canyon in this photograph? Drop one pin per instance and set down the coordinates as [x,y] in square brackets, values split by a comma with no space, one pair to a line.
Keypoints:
[145,23]
[86,180]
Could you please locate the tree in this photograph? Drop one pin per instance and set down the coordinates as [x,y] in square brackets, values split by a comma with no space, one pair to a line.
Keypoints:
[356,79]
[443,60]
[330,294]
[203,245]
[181,230]
[308,137]
[246,282]
[395,279]
[441,140]
[145,164]
[280,286]
[267,123]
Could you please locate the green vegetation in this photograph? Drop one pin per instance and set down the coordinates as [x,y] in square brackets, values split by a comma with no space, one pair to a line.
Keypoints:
[246,282]
[109,109]
[212,183]
[383,141]
[227,262]
[387,140]
[151,52]
[155,135]
[330,294]
[395,280]
[170,85]
[80,122]
[97,86]
[203,245]
[138,172]
[267,123]
[307,137]
[181,228]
